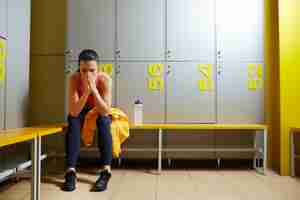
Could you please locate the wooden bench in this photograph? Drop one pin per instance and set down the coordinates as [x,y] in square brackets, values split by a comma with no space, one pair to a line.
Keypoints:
[258,152]
[33,134]
[293,132]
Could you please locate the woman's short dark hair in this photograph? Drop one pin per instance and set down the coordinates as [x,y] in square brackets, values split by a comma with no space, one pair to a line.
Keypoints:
[88,55]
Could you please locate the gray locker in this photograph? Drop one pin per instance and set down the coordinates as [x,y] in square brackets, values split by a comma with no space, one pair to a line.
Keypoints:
[132,83]
[2,89]
[17,80]
[91,24]
[3,35]
[240,44]
[186,103]
[140,30]
[191,30]
[17,77]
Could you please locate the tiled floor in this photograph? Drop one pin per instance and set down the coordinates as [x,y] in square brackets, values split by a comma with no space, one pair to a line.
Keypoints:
[171,184]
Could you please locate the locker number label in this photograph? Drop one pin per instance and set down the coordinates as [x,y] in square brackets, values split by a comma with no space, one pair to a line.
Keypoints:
[255,76]
[206,83]
[3,50]
[106,68]
[155,80]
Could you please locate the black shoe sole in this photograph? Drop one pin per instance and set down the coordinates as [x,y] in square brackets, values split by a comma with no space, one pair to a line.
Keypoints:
[68,189]
[98,189]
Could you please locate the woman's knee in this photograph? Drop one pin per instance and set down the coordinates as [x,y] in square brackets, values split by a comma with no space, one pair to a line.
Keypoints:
[73,120]
[104,121]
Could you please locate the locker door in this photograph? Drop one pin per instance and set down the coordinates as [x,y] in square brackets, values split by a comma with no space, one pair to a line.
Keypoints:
[3,50]
[91,25]
[3,32]
[131,85]
[3,61]
[17,80]
[140,30]
[191,30]
[187,101]
[73,66]
[240,47]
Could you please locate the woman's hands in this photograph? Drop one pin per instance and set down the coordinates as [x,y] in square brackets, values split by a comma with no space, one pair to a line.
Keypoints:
[92,82]
[86,87]
[89,83]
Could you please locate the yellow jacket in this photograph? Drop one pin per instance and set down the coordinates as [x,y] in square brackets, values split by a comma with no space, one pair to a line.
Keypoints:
[119,129]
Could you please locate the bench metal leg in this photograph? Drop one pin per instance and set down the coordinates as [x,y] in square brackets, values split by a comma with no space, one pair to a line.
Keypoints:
[219,162]
[119,161]
[265,150]
[159,150]
[261,153]
[292,149]
[255,152]
[169,162]
[36,168]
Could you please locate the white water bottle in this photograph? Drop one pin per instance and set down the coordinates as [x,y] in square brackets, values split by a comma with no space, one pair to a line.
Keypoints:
[138,112]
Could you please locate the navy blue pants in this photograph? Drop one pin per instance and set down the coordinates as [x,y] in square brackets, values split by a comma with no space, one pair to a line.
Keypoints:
[73,138]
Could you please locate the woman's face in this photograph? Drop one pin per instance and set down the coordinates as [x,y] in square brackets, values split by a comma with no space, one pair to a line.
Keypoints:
[88,67]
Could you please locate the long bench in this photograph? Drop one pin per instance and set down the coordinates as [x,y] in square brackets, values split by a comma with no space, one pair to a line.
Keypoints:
[33,134]
[259,153]
[293,155]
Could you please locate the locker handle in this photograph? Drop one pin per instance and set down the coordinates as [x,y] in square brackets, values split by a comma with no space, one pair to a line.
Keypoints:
[118,70]
[169,69]
[219,69]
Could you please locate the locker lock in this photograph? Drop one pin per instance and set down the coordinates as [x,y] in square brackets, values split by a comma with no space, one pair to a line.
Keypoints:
[169,69]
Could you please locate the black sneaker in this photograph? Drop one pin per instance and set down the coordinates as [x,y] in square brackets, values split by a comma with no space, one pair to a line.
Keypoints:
[101,183]
[70,181]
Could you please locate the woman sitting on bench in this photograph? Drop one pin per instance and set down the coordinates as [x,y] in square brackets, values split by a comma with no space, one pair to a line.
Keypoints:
[88,89]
